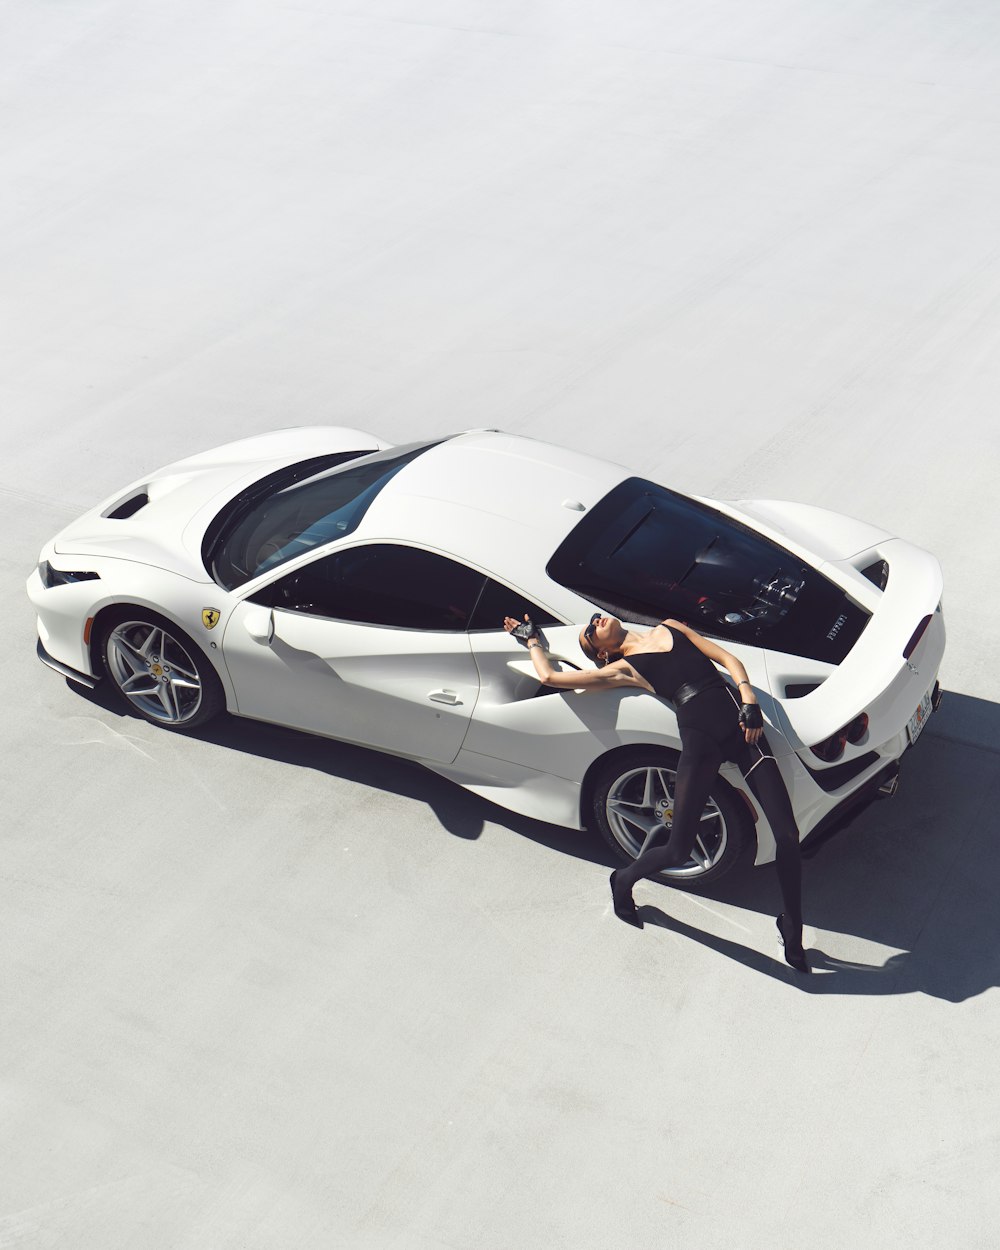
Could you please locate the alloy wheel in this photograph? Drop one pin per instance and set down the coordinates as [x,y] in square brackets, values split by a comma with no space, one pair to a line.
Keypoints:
[154,672]
[640,808]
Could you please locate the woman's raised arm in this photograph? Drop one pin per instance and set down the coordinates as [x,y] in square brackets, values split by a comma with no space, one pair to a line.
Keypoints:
[617,674]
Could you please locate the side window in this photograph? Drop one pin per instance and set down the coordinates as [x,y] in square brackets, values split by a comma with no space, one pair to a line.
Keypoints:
[497,601]
[381,584]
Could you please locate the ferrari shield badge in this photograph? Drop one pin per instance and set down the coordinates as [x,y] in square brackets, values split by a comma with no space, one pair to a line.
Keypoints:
[210,617]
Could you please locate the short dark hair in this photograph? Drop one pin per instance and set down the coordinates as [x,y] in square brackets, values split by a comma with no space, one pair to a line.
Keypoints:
[588,649]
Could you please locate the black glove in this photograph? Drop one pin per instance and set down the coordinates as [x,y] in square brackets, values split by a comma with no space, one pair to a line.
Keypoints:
[751,716]
[525,631]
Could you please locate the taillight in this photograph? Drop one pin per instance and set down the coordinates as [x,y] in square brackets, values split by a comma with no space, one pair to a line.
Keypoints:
[915,637]
[832,748]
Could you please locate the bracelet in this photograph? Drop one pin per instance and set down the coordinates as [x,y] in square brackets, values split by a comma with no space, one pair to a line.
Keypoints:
[534,643]
[743,683]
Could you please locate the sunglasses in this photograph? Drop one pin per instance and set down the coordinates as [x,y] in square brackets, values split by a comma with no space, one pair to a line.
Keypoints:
[591,629]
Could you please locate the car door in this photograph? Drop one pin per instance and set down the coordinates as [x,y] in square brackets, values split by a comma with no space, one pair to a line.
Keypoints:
[368,644]
[517,718]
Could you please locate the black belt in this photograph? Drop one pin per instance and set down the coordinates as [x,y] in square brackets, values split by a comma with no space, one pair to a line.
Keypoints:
[687,690]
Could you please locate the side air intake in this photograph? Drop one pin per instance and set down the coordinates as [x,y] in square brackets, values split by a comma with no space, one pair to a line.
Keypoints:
[128,506]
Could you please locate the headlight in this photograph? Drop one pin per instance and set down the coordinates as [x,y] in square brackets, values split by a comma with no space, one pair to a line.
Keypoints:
[62,577]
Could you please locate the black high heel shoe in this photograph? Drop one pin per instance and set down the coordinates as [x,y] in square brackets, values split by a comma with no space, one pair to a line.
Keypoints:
[624,911]
[794,958]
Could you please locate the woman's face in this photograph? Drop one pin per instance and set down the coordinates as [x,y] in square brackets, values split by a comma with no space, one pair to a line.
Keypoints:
[604,634]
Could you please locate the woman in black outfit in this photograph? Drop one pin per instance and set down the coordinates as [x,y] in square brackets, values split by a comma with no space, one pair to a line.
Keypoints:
[678,664]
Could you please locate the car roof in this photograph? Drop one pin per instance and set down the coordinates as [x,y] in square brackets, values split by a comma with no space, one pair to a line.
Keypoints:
[499,502]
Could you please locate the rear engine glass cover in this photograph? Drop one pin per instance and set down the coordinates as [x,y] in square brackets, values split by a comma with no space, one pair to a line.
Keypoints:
[646,553]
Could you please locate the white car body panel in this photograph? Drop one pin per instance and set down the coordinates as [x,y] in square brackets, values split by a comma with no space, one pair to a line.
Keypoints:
[467,705]
[186,495]
[338,678]
[529,791]
[67,608]
[827,535]
[876,662]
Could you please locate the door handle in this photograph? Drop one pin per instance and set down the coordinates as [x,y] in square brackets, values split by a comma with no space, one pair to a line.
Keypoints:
[444,696]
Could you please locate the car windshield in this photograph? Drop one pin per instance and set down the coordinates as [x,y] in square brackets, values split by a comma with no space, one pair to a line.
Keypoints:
[646,553]
[298,508]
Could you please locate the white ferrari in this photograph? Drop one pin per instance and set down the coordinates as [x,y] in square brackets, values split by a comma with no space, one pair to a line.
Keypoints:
[321,579]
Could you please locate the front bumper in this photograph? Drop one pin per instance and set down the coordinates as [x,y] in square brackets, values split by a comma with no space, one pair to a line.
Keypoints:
[84,679]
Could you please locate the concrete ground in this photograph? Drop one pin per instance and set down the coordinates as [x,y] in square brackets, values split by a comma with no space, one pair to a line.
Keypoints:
[263,991]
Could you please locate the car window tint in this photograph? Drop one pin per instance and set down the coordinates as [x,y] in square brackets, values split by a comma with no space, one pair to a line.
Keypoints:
[382,584]
[498,601]
[299,507]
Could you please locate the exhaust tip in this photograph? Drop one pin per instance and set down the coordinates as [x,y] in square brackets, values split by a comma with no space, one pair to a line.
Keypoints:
[889,787]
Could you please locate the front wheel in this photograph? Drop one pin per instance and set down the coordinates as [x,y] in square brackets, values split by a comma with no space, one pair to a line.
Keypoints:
[159,672]
[632,806]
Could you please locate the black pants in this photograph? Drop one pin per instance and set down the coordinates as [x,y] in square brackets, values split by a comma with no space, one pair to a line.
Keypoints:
[710,735]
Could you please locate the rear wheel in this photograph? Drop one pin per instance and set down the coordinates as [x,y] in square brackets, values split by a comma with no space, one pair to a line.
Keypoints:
[159,672]
[632,806]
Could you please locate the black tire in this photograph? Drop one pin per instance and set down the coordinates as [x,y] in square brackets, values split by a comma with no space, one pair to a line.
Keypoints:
[173,684]
[619,795]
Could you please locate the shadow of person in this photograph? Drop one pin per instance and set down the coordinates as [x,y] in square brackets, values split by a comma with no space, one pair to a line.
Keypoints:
[915,875]
[750,957]
[949,964]
[947,974]
[956,957]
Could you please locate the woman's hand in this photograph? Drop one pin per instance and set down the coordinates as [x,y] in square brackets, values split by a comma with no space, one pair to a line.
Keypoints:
[751,717]
[524,632]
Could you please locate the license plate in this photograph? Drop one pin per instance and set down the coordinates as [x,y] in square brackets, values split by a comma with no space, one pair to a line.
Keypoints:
[919,719]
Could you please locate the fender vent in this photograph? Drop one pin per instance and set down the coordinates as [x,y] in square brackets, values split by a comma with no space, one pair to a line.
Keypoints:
[128,507]
[799,689]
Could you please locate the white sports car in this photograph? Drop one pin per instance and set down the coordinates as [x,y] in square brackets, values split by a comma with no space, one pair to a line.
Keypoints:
[321,579]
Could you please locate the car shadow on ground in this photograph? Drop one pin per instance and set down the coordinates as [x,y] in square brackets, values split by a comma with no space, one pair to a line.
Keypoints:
[461,813]
[914,874]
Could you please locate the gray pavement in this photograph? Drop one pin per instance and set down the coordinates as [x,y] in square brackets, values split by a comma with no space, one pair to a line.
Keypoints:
[263,991]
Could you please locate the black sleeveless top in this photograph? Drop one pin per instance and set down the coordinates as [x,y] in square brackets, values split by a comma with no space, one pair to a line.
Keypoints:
[667,670]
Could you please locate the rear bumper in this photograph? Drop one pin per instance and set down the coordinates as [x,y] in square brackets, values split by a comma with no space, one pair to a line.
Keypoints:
[882,784]
[839,817]
[84,679]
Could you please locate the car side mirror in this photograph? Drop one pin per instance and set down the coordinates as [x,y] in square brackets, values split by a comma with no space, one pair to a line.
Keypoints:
[259,624]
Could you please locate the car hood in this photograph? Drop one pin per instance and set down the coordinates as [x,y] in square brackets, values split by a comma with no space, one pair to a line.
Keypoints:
[161,518]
